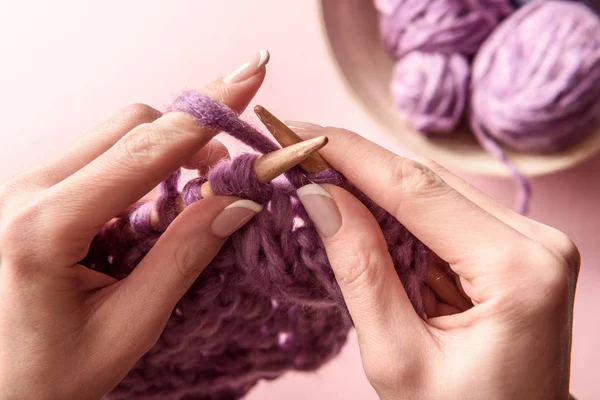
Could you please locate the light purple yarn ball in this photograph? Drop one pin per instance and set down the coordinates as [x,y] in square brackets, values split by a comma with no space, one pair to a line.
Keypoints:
[446,26]
[430,90]
[535,83]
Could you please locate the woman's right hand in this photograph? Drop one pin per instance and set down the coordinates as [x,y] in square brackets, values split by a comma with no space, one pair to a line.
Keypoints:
[515,343]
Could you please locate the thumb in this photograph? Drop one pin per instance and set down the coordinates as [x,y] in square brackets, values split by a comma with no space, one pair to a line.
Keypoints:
[363,267]
[188,245]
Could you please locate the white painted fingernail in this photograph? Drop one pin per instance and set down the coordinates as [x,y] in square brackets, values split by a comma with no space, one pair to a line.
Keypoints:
[301,125]
[249,69]
[234,216]
[321,209]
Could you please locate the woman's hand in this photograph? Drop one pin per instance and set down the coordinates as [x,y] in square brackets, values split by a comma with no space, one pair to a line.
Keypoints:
[68,332]
[515,343]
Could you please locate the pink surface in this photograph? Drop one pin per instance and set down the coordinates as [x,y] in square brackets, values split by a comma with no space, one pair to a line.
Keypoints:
[66,65]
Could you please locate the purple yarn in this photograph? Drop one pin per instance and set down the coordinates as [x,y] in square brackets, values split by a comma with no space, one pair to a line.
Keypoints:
[430,90]
[535,82]
[538,95]
[268,303]
[439,26]
[430,39]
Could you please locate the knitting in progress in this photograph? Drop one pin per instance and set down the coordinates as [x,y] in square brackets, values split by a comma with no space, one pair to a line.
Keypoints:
[268,303]
[527,79]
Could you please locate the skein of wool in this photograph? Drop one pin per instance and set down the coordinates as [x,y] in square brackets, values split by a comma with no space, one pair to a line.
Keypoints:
[535,82]
[438,26]
[430,89]
[268,303]
[430,41]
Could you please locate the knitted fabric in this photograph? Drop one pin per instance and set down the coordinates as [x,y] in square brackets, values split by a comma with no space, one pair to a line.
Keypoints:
[268,303]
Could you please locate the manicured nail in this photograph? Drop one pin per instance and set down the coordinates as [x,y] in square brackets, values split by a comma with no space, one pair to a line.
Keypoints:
[320,208]
[301,125]
[234,216]
[248,69]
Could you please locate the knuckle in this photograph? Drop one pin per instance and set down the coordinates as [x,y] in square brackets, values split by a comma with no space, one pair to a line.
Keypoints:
[177,123]
[186,262]
[429,163]
[221,93]
[17,233]
[566,248]
[140,113]
[552,274]
[31,234]
[140,145]
[359,267]
[413,176]
[217,150]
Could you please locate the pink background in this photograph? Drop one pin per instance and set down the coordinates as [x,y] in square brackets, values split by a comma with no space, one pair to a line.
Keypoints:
[67,65]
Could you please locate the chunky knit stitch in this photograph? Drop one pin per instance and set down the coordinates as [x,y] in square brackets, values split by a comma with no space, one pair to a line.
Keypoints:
[268,303]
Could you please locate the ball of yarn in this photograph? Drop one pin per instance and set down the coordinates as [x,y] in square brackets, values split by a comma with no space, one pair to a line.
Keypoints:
[430,89]
[536,80]
[446,26]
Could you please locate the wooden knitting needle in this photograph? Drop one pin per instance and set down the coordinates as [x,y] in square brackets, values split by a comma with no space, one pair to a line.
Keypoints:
[271,165]
[266,167]
[287,137]
[438,280]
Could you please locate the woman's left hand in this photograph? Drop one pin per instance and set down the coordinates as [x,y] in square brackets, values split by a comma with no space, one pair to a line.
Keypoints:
[68,332]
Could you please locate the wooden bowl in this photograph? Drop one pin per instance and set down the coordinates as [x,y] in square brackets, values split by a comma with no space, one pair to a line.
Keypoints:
[353,35]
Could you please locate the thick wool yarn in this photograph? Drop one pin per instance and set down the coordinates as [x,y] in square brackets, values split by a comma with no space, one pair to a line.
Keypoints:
[430,89]
[431,40]
[537,95]
[268,303]
[438,26]
[552,98]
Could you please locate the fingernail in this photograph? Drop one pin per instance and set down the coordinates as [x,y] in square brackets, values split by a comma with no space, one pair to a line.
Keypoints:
[320,208]
[234,216]
[248,69]
[302,125]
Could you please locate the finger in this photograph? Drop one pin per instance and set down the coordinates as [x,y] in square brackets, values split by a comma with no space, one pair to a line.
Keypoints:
[434,307]
[438,215]
[140,160]
[554,240]
[104,136]
[91,145]
[207,157]
[363,267]
[188,245]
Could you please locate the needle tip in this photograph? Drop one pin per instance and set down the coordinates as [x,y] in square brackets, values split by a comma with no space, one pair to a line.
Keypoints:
[271,165]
